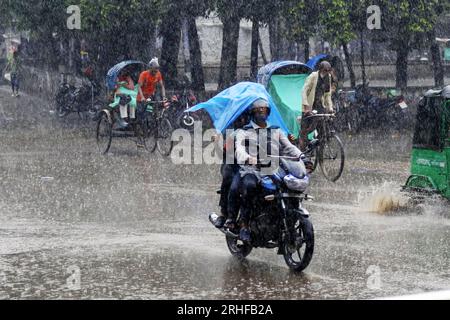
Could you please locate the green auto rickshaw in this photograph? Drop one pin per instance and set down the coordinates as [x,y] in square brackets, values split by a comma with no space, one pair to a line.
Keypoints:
[430,157]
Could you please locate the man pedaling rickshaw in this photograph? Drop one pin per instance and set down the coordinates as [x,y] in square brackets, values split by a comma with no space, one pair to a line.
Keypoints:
[148,80]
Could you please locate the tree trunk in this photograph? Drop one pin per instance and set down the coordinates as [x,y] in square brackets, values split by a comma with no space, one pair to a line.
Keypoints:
[348,60]
[437,60]
[228,62]
[198,80]
[254,50]
[171,33]
[306,42]
[363,65]
[401,80]
[186,47]
[274,37]
[261,49]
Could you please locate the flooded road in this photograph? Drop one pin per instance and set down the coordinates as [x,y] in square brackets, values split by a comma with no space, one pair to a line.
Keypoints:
[76,224]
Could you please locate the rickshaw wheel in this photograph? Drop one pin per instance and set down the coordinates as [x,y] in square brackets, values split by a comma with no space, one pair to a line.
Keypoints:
[164,142]
[149,127]
[104,132]
[331,157]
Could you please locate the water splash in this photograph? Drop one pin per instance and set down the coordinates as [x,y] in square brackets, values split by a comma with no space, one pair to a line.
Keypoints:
[386,199]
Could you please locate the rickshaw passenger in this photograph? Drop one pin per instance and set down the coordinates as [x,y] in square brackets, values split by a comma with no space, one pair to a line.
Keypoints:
[125,95]
[229,171]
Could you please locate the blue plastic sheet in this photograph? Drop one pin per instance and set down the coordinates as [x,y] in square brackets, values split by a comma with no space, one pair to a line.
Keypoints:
[228,105]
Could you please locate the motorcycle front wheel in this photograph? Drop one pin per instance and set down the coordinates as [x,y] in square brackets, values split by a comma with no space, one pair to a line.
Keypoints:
[299,249]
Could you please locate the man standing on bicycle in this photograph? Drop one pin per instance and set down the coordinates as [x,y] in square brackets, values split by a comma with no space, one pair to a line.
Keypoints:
[148,80]
[316,96]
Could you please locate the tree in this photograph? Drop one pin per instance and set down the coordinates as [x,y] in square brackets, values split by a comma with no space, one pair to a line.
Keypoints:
[194,9]
[403,21]
[119,29]
[259,12]
[230,13]
[337,28]
[171,34]
[302,16]
[46,21]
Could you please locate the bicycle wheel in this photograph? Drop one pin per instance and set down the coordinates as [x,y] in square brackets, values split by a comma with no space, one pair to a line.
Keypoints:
[150,132]
[104,133]
[331,157]
[164,141]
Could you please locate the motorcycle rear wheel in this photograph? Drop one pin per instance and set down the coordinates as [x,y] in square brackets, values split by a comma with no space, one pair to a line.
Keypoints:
[298,253]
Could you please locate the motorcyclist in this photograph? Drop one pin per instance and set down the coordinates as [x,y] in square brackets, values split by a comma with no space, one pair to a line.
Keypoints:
[248,151]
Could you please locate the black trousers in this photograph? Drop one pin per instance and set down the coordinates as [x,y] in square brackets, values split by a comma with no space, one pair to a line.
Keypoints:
[228,172]
[249,191]
[234,197]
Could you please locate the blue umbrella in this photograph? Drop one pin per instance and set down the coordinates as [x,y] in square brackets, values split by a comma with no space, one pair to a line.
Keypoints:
[113,73]
[228,105]
[312,63]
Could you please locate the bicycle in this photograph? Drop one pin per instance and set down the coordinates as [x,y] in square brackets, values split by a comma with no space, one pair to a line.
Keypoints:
[326,149]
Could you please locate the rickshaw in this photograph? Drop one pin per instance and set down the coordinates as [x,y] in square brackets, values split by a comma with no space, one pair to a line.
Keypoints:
[284,80]
[151,128]
[430,156]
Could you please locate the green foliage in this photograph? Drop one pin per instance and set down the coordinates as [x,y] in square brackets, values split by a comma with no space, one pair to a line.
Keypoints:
[335,20]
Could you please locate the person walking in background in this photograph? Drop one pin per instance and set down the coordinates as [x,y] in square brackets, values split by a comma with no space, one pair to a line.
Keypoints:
[14,67]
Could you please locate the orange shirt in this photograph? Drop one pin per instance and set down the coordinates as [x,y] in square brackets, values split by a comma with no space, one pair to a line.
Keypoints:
[148,82]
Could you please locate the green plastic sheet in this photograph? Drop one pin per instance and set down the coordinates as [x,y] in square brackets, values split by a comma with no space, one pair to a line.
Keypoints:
[286,91]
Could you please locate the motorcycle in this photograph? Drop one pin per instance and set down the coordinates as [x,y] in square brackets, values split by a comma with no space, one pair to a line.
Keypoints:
[278,219]
[85,98]
[368,110]
[183,102]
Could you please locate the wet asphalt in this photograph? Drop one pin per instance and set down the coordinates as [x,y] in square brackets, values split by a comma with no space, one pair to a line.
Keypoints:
[75,224]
